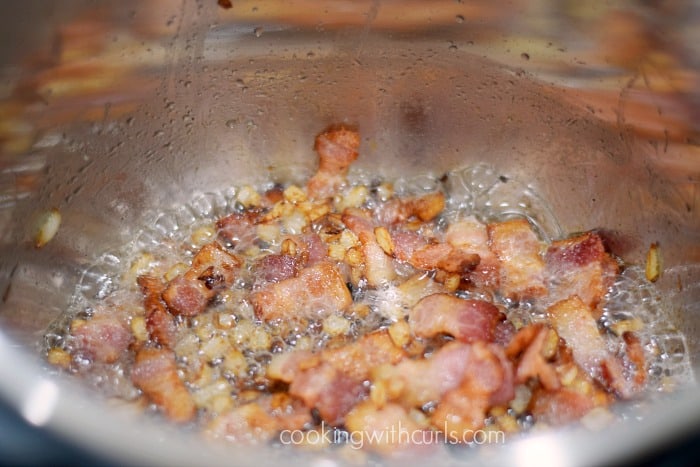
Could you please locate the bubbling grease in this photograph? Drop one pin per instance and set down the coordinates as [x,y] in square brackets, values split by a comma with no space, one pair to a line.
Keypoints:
[237,347]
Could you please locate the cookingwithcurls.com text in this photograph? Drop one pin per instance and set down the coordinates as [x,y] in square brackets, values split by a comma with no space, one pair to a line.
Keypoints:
[396,435]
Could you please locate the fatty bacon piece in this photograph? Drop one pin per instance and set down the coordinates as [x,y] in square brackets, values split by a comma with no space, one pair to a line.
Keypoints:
[415,383]
[337,149]
[488,381]
[274,268]
[155,373]
[517,248]
[238,230]
[417,251]
[573,320]
[378,266]
[102,338]
[332,381]
[160,324]
[213,269]
[580,266]
[261,420]
[471,236]
[315,292]
[465,320]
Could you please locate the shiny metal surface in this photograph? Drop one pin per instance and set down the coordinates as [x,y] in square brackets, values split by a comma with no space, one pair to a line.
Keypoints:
[118,112]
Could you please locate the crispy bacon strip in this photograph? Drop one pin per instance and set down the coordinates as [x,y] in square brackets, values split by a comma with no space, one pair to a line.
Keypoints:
[517,248]
[213,269]
[337,149]
[155,373]
[317,291]
[465,320]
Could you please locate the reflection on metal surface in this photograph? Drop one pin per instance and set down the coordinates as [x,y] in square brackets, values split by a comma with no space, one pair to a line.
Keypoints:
[39,404]
[541,451]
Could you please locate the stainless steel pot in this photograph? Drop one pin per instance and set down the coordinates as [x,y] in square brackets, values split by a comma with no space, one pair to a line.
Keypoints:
[118,112]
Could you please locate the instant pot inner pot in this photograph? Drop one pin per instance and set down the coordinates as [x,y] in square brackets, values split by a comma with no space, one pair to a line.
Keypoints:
[247,116]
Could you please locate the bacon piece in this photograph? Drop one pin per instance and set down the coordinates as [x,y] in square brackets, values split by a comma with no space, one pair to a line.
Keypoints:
[635,356]
[333,381]
[417,287]
[503,333]
[573,320]
[159,323]
[314,250]
[406,243]
[357,359]
[101,339]
[471,236]
[378,267]
[285,366]
[213,269]
[465,320]
[155,373]
[560,407]
[427,380]
[239,229]
[261,420]
[425,208]
[580,266]
[317,291]
[461,412]
[463,408]
[517,248]
[388,430]
[532,363]
[328,390]
[274,268]
[444,257]
[337,149]
[415,249]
